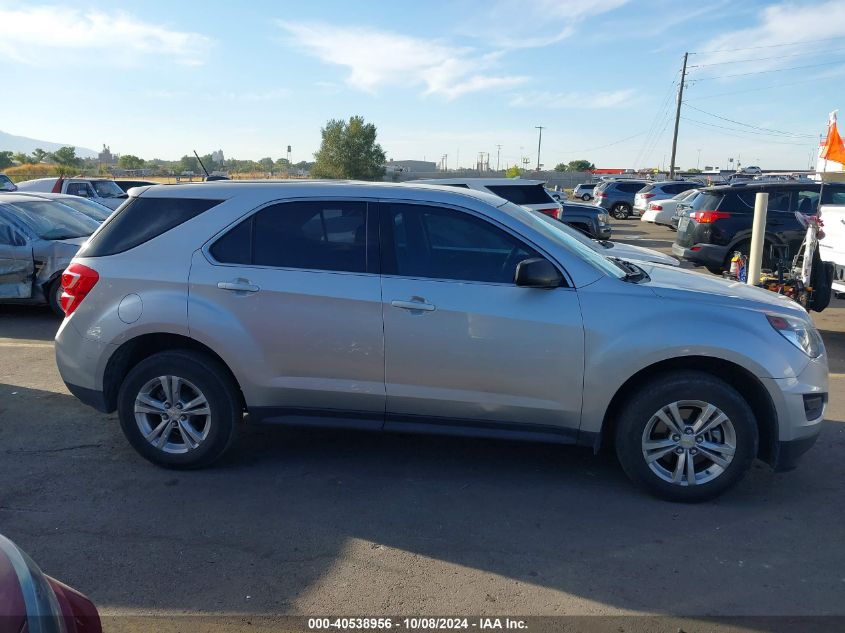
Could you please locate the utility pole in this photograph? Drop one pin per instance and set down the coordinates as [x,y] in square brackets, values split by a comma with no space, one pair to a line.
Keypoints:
[678,118]
[498,152]
[539,143]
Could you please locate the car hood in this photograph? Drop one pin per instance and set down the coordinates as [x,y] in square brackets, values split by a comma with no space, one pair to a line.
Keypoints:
[687,285]
[638,254]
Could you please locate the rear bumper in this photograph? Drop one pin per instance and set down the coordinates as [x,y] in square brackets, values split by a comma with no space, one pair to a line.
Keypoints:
[91,397]
[704,255]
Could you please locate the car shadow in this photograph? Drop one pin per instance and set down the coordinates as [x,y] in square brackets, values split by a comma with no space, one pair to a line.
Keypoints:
[293,516]
[30,322]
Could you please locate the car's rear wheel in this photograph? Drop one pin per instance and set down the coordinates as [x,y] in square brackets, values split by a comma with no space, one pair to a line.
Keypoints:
[54,296]
[179,409]
[621,211]
[745,249]
[585,197]
[686,436]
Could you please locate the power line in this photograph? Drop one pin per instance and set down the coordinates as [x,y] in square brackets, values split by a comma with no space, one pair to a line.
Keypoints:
[753,48]
[736,92]
[592,149]
[656,121]
[748,125]
[743,134]
[773,70]
[760,59]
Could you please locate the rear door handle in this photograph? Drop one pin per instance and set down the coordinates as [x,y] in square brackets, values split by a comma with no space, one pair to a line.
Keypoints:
[239,285]
[417,303]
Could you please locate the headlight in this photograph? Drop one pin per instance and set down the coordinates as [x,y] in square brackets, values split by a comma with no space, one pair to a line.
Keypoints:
[798,332]
[603,217]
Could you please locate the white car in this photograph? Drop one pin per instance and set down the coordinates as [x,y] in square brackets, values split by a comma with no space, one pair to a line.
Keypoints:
[832,245]
[100,190]
[662,211]
[529,194]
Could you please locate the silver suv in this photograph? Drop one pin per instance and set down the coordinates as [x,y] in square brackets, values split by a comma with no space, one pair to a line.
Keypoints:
[426,309]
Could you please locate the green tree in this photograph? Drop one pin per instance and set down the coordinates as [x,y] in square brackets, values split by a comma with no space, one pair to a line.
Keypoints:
[5,159]
[266,164]
[579,165]
[560,167]
[128,161]
[281,164]
[39,154]
[66,159]
[513,172]
[694,170]
[349,150]
[22,158]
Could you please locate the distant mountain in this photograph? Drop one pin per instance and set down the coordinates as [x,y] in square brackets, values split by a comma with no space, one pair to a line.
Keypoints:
[15,143]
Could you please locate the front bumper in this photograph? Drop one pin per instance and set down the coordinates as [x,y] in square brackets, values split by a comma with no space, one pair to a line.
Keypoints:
[603,231]
[704,255]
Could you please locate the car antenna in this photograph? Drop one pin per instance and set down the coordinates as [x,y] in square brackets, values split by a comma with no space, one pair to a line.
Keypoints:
[199,160]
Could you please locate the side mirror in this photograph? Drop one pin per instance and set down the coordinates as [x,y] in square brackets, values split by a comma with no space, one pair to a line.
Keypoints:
[537,273]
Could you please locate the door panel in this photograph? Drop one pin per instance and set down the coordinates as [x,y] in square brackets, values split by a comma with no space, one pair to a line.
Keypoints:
[300,340]
[478,350]
[17,271]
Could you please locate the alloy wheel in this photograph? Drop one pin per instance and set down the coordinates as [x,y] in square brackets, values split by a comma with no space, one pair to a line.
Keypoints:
[172,414]
[689,442]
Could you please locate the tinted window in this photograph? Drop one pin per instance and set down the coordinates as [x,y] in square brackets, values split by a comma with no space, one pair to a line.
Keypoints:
[522,194]
[310,235]
[50,220]
[460,185]
[646,189]
[631,187]
[79,189]
[440,243]
[91,209]
[142,219]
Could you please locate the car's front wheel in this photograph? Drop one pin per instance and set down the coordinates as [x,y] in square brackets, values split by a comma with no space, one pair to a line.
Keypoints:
[621,211]
[179,409]
[54,297]
[686,436]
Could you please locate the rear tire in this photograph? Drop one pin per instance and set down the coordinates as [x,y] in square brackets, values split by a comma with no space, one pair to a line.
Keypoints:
[186,421]
[745,249]
[716,270]
[54,297]
[720,455]
[586,197]
[621,211]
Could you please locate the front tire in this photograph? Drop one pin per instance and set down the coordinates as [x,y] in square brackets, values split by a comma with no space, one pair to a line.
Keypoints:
[686,436]
[621,211]
[179,409]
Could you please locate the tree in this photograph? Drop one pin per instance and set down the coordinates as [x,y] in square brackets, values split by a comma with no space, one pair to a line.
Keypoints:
[513,172]
[66,159]
[580,165]
[694,170]
[21,158]
[560,167]
[128,161]
[5,159]
[39,154]
[266,164]
[349,150]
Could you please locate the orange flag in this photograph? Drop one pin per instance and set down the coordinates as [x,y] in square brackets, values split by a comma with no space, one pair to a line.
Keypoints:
[833,148]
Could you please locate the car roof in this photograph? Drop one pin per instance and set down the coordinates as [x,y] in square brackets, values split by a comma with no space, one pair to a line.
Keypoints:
[484,182]
[751,184]
[224,189]
[20,196]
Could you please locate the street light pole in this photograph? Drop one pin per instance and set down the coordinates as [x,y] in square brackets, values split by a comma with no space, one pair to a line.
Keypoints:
[498,152]
[539,143]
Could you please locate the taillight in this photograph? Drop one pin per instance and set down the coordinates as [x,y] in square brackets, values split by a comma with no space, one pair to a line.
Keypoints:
[708,217]
[552,212]
[601,194]
[77,282]
[655,207]
[647,195]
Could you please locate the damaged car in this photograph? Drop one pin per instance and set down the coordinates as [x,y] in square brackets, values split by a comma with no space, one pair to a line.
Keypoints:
[38,238]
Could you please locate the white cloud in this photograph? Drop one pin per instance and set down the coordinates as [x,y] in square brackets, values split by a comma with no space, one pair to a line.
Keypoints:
[47,35]
[781,24]
[574,100]
[381,58]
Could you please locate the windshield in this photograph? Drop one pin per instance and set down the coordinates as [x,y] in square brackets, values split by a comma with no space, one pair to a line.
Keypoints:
[556,231]
[6,183]
[51,220]
[90,208]
[107,189]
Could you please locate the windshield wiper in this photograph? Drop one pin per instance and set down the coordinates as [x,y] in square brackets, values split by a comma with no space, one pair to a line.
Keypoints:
[632,271]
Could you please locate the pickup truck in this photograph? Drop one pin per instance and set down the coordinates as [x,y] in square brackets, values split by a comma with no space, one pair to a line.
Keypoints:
[832,245]
[101,190]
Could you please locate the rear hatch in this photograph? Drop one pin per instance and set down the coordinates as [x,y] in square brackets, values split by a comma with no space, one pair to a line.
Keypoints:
[688,227]
[643,196]
[530,196]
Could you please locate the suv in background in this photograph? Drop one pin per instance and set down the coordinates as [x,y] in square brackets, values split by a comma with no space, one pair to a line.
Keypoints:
[661,191]
[720,220]
[469,315]
[528,194]
[100,190]
[584,191]
[127,184]
[617,196]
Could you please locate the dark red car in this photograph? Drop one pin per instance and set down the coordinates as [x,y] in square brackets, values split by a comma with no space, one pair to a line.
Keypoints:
[31,602]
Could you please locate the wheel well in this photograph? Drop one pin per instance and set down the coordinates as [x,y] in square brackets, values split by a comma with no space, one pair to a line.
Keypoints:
[134,351]
[738,377]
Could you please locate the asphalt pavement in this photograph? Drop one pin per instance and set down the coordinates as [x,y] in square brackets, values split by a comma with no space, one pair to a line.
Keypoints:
[311,522]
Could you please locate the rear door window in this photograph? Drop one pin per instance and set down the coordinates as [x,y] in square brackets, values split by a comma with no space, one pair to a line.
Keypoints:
[631,187]
[522,194]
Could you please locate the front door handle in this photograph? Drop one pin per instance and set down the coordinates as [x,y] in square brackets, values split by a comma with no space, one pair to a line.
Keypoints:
[239,285]
[416,303]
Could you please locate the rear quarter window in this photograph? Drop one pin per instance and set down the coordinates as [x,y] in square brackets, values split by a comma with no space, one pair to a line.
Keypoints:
[522,194]
[141,219]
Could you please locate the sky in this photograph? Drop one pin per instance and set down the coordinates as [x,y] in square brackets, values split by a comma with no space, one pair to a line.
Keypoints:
[159,79]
